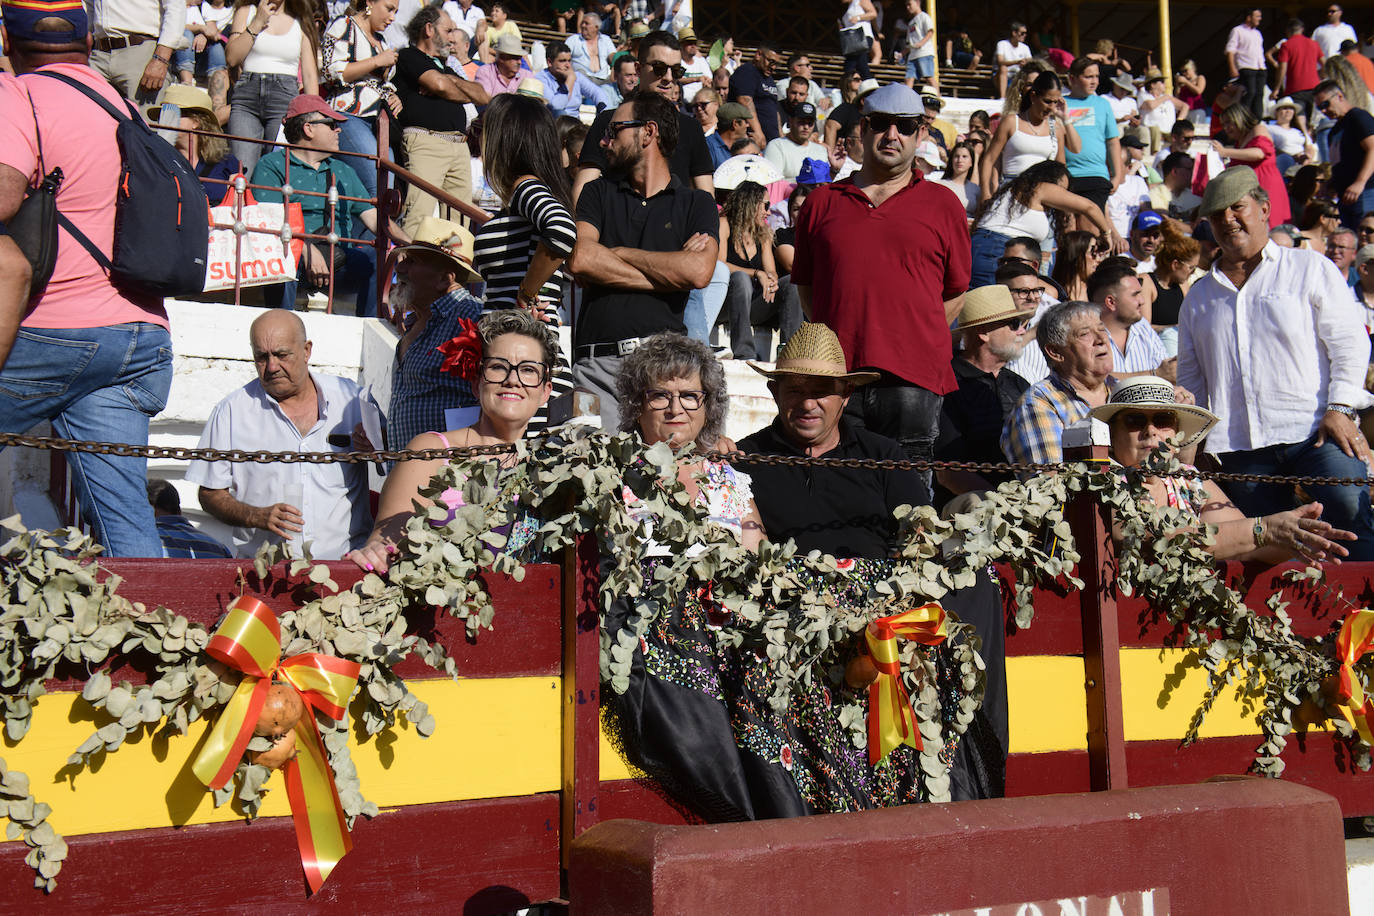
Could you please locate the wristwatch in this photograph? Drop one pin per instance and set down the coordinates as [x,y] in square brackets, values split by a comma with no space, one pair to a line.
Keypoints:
[1345,409]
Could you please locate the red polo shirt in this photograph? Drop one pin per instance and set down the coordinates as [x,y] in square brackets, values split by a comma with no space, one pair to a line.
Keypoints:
[879,276]
[1303,56]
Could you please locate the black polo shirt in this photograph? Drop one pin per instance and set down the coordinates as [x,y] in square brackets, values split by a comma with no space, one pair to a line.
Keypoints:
[691,157]
[663,222]
[842,511]
[418,109]
[972,417]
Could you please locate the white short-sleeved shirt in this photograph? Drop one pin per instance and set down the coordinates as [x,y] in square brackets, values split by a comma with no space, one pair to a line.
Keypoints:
[1329,37]
[916,30]
[338,516]
[1011,54]
[468,21]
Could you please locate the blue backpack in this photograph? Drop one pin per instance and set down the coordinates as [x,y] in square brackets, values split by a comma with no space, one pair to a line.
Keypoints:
[162,226]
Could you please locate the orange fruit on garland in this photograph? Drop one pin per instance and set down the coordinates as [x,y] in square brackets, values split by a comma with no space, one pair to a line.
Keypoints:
[280,711]
[275,757]
[860,672]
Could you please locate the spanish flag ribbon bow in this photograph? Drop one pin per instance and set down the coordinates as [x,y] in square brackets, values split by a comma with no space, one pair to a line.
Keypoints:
[1356,638]
[891,720]
[249,640]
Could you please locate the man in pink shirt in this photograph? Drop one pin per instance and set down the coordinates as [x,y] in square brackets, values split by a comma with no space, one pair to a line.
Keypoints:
[1245,60]
[506,72]
[94,360]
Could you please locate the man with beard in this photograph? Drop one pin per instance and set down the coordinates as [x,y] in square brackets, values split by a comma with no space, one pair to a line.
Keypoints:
[1136,347]
[793,148]
[1074,341]
[993,325]
[1146,236]
[644,241]
[429,291]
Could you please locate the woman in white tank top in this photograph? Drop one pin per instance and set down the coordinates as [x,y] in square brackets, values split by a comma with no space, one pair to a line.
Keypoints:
[277,45]
[1038,132]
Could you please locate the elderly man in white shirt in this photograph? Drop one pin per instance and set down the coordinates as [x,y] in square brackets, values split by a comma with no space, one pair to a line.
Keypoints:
[133,41]
[1271,341]
[286,408]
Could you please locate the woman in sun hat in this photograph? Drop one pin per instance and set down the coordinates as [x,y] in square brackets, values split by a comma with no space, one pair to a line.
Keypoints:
[1142,414]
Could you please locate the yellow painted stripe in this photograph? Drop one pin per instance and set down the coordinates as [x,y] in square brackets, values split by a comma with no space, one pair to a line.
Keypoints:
[495,737]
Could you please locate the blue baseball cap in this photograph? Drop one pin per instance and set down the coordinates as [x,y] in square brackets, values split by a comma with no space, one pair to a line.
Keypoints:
[814,171]
[1146,220]
[22,18]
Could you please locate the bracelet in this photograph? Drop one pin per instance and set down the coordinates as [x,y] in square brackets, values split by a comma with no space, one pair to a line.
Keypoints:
[1345,410]
[1259,531]
[166,61]
[252,33]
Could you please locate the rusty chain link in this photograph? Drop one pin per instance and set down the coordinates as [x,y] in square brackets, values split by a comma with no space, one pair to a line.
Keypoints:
[178,453]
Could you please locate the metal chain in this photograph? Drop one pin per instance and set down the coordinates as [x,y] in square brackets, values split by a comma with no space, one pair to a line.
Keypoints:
[177,453]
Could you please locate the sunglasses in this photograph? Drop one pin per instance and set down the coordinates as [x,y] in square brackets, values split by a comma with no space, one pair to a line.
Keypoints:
[660,70]
[328,122]
[702,106]
[615,127]
[906,126]
[1160,419]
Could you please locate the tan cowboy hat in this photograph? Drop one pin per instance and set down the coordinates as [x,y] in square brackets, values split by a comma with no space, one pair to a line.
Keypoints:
[446,238]
[814,350]
[1150,392]
[990,305]
[187,98]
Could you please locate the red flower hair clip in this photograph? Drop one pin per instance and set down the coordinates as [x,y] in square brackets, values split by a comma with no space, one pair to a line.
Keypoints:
[462,354]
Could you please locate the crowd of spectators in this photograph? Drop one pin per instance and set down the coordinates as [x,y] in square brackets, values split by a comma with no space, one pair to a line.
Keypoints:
[999,280]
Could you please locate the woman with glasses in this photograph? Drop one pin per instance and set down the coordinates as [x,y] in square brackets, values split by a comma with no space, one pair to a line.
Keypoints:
[521,251]
[277,45]
[510,359]
[1024,207]
[1142,414]
[1078,256]
[757,299]
[1319,220]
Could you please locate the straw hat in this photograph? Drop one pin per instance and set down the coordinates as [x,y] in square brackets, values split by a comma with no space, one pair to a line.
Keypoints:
[686,35]
[814,350]
[446,238]
[508,45]
[531,86]
[990,305]
[1149,392]
[187,98]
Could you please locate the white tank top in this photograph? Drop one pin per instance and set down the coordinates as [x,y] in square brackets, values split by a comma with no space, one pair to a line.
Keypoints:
[855,10]
[1033,223]
[1024,150]
[279,54]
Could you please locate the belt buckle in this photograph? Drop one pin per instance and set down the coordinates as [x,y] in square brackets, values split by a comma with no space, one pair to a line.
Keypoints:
[626,347]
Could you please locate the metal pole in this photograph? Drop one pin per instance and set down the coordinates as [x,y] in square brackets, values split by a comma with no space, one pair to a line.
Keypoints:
[935,43]
[1074,43]
[1166,56]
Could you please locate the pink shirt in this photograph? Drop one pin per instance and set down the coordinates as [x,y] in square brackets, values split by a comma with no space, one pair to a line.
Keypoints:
[490,79]
[1248,46]
[80,138]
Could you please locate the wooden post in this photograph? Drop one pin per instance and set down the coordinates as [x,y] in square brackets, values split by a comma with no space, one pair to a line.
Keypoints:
[581,691]
[1088,440]
[935,43]
[1166,56]
[1073,28]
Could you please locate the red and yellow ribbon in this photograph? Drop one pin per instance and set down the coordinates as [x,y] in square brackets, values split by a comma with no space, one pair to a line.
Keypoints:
[891,720]
[249,640]
[1356,638]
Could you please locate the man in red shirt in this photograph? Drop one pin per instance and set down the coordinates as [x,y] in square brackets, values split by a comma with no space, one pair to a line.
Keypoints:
[1298,59]
[883,258]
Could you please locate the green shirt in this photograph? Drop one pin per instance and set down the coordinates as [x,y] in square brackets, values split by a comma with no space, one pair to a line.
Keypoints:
[271,172]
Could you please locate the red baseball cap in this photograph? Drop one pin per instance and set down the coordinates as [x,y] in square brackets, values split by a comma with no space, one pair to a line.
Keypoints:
[304,103]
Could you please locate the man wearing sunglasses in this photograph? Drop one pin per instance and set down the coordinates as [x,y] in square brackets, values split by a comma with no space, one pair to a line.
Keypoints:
[752,86]
[314,126]
[884,258]
[1352,151]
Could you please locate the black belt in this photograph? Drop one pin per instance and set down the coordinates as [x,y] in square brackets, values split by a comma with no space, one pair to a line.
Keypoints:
[122,42]
[614,348]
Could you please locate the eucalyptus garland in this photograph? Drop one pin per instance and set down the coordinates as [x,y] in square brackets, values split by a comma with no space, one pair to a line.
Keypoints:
[57,607]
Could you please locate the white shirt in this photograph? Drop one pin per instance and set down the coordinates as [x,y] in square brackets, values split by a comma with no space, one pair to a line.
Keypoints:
[1144,350]
[1329,37]
[334,499]
[1268,358]
[789,156]
[166,19]
[1126,201]
[1010,54]
[1122,108]
[468,21]
[697,66]
[1031,365]
[916,30]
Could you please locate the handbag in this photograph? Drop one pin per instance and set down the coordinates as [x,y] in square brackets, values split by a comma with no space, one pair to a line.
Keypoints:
[34,225]
[854,40]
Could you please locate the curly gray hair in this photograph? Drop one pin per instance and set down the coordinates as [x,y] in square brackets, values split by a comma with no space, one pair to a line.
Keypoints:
[499,322]
[671,356]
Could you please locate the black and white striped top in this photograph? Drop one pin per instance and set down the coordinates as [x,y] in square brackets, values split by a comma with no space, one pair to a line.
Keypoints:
[505,244]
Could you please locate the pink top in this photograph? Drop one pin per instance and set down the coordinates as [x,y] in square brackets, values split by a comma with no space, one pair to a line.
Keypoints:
[1267,171]
[80,138]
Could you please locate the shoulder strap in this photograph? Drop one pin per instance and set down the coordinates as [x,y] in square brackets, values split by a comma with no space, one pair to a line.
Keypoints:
[94,96]
[38,137]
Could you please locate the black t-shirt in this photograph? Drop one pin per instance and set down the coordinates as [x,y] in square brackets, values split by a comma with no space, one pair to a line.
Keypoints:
[845,512]
[663,222]
[787,235]
[690,159]
[427,111]
[846,115]
[749,80]
[1347,155]
[972,415]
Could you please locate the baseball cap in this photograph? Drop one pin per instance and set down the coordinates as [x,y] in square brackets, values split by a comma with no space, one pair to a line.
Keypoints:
[732,111]
[802,111]
[894,99]
[22,19]
[1133,141]
[1146,220]
[308,102]
[814,171]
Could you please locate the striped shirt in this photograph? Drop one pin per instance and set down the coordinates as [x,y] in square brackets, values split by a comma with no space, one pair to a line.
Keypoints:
[1144,350]
[502,251]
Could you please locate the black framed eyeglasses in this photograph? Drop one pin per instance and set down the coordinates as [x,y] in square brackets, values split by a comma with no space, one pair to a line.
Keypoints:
[906,126]
[615,127]
[529,374]
[660,70]
[658,399]
[1029,294]
[1135,421]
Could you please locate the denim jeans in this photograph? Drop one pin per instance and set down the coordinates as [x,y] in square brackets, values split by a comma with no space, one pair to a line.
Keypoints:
[1351,214]
[359,135]
[752,319]
[260,103]
[101,385]
[1344,507]
[900,410]
[704,305]
[355,270]
[210,60]
[987,248]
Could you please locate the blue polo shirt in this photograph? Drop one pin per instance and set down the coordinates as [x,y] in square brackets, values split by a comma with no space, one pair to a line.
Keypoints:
[561,101]
[1093,119]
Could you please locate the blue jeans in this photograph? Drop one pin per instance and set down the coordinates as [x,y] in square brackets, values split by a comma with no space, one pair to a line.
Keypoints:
[1344,507]
[101,385]
[987,248]
[1351,214]
[355,270]
[210,60]
[259,103]
[359,135]
[704,305]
